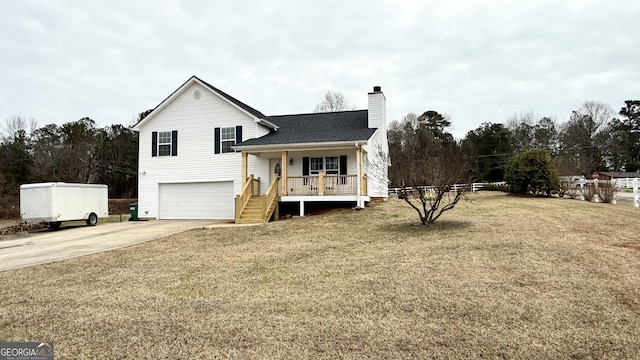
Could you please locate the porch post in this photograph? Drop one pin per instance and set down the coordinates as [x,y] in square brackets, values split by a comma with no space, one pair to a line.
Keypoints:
[245,166]
[321,183]
[284,168]
[359,176]
[363,185]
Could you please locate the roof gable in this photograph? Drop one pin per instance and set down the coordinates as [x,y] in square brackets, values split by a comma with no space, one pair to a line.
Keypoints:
[194,79]
[255,113]
[340,126]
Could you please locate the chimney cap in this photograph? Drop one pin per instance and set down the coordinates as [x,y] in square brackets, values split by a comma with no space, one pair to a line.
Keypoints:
[377,89]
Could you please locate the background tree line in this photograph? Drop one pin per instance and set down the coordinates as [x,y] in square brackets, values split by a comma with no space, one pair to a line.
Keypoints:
[76,151]
[594,138]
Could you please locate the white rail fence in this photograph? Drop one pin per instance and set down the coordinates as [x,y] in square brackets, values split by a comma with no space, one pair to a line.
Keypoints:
[622,184]
[474,187]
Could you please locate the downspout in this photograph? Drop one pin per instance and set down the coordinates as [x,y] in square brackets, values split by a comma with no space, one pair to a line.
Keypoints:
[358,178]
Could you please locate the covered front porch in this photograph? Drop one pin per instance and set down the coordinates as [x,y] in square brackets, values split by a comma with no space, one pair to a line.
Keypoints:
[306,175]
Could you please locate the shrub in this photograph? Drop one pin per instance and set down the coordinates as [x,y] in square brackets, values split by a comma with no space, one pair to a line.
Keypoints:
[573,192]
[589,191]
[607,191]
[569,188]
[532,172]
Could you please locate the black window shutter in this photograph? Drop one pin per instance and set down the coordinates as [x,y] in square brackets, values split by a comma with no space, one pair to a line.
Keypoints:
[217,140]
[305,166]
[174,143]
[154,143]
[238,134]
[343,164]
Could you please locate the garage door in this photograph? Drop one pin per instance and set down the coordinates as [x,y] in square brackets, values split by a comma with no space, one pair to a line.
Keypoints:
[212,200]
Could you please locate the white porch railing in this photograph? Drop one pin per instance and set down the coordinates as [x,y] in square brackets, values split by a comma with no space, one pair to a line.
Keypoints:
[319,185]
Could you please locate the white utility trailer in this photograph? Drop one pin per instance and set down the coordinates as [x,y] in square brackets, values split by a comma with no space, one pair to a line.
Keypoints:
[56,202]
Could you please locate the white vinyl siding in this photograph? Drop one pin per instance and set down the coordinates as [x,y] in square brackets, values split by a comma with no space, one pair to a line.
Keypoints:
[195,121]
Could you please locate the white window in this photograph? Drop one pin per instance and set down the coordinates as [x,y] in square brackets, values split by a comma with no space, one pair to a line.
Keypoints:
[332,165]
[227,139]
[315,165]
[164,143]
[329,164]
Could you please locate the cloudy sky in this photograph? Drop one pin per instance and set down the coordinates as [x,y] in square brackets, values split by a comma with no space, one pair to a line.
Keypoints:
[475,60]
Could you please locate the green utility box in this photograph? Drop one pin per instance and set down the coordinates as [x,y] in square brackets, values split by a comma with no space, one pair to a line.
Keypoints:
[133,209]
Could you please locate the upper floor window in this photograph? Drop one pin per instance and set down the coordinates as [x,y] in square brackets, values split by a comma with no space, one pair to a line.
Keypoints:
[164,143]
[227,139]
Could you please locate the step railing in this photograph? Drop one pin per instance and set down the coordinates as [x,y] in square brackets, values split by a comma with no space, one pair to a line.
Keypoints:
[270,197]
[248,190]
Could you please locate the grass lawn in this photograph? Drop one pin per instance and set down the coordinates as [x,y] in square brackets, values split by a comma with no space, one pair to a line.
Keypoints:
[498,277]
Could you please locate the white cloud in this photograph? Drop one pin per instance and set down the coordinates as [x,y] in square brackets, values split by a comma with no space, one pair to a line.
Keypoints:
[477,61]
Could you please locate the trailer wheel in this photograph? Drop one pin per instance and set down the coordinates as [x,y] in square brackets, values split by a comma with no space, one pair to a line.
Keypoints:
[92,220]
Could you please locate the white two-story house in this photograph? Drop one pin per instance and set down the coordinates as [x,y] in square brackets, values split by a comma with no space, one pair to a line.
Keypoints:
[206,155]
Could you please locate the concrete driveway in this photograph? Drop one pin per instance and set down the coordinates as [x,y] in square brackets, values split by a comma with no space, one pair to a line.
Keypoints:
[66,243]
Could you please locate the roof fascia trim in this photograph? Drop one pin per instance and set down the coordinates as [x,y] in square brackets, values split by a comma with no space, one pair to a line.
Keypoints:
[302,146]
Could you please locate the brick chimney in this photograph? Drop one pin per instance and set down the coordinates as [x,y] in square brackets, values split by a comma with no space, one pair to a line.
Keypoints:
[377,109]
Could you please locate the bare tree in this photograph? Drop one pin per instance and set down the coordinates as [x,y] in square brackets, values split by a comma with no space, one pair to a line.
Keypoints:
[333,101]
[598,115]
[16,123]
[427,170]
[411,120]
[583,138]
[522,128]
[442,172]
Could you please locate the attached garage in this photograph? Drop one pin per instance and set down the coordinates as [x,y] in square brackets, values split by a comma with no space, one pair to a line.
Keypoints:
[208,200]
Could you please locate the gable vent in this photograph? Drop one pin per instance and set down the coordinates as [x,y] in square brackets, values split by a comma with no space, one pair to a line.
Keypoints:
[196,94]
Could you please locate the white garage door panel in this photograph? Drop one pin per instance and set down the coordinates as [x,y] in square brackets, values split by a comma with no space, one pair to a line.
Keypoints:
[197,201]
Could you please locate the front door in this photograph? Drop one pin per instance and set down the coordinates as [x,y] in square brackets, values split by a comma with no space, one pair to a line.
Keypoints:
[276,169]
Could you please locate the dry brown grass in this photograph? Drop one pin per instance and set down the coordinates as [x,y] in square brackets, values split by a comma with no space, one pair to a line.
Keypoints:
[501,277]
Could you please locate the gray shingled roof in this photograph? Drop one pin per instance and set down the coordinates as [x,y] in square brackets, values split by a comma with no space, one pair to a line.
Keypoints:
[316,128]
[615,174]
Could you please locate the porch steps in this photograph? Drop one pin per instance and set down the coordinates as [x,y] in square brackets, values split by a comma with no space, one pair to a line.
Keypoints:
[253,213]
